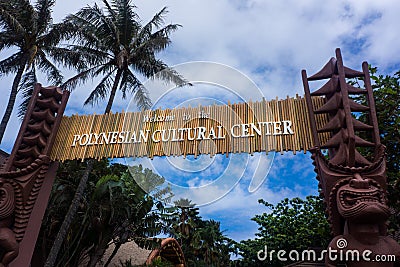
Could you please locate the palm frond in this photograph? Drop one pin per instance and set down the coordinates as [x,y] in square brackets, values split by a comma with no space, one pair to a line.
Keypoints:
[123,85]
[170,75]
[142,98]
[25,13]
[80,78]
[11,64]
[55,35]
[79,31]
[5,4]
[156,21]
[105,69]
[110,10]
[51,71]
[130,83]
[91,56]
[26,88]
[101,90]
[154,68]
[154,42]
[144,32]
[44,20]
[66,57]
[105,27]
[10,22]
[9,39]
[126,21]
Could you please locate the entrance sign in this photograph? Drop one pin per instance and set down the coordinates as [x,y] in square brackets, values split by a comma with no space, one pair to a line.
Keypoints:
[277,125]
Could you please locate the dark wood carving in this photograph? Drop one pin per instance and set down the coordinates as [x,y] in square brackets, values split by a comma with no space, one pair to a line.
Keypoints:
[353,187]
[25,170]
[3,157]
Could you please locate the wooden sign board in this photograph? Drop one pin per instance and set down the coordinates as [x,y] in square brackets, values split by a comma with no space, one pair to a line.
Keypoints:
[276,125]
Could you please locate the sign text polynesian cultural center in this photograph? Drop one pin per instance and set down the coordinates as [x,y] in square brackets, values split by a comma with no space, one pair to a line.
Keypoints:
[276,125]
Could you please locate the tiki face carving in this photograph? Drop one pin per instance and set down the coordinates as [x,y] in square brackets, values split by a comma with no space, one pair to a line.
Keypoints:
[362,200]
[353,185]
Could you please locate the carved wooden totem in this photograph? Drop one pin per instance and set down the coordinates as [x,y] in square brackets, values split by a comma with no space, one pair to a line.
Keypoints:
[27,176]
[353,187]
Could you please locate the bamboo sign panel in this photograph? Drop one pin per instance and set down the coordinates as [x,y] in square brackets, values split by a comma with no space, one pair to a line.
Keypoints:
[276,125]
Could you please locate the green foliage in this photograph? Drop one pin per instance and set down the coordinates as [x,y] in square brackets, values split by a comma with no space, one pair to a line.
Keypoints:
[202,241]
[114,210]
[387,102]
[293,224]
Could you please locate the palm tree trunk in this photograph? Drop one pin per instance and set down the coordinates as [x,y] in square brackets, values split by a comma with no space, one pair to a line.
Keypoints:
[101,247]
[11,101]
[51,259]
[113,91]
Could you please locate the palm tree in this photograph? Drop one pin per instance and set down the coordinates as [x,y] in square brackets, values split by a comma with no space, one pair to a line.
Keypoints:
[184,228]
[202,241]
[29,29]
[114,45]
[117,46]
[215,245]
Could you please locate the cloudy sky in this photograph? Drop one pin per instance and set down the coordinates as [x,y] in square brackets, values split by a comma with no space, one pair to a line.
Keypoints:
[269,42]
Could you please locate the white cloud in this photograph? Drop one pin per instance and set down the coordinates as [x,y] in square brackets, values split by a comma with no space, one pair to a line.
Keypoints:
[236,209]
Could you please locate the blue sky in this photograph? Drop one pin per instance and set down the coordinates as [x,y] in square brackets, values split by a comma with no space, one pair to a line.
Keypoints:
[270,42]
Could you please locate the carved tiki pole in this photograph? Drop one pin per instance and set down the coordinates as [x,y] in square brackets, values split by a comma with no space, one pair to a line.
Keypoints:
[353,187]
[27,176]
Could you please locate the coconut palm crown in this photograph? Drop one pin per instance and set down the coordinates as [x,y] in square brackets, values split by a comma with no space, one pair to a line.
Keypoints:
[26,31]
[116,46]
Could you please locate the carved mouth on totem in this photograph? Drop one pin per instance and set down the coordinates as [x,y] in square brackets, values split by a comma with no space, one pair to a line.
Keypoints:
[350,198]
[359,203]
